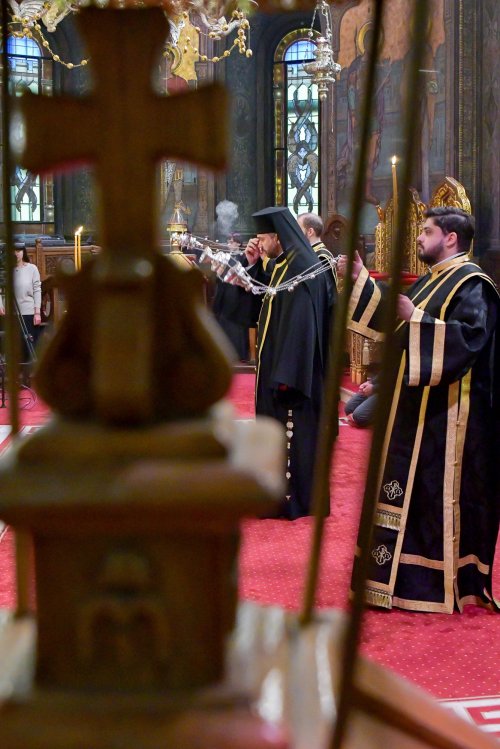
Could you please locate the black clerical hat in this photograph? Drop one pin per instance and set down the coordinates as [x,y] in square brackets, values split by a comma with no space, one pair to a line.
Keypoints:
[279,220]
[268,219]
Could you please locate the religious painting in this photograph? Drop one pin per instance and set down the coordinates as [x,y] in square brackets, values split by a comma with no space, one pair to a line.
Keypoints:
[385,138]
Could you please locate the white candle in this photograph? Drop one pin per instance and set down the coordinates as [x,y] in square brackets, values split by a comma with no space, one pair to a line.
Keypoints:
[394,161]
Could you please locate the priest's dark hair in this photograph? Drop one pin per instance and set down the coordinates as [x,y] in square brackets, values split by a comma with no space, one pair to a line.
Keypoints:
[449,219]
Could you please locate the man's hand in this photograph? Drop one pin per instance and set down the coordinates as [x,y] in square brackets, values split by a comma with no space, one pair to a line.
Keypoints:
[356,266]
[366,388]
[405,308]
[253,251]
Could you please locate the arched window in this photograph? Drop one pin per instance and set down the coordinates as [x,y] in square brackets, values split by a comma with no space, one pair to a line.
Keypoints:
[31,197]
[296,125]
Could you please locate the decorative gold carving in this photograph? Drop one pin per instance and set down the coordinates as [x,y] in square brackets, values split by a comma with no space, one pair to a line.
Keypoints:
[381,256]
[450,193]
[416,211]
[185,61]
[384,236]
[363,353]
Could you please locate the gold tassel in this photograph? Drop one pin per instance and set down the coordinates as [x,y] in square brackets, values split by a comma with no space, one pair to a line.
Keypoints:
[377,598]
[389,520]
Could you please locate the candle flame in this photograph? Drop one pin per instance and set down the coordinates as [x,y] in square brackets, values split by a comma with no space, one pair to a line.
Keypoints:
[394,160]
[79,230]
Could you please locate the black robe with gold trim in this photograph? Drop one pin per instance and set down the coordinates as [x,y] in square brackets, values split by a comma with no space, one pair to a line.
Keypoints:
[291,361]
[437,517]
[327,258]
[292,347]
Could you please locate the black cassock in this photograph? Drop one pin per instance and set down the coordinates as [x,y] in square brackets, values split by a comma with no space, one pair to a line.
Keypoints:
[437,517]
[228,312]
[292,344]
[327,258]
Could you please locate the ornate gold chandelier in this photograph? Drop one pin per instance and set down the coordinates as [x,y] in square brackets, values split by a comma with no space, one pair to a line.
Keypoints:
[26,22]
[214,27]
[27,17]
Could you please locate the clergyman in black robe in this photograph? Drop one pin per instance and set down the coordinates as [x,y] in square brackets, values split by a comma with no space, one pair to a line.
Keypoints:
[292,345]
[437,518]
[229,312]
[312,228]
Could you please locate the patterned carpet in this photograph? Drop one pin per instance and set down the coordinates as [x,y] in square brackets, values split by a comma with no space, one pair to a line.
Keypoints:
[456,658]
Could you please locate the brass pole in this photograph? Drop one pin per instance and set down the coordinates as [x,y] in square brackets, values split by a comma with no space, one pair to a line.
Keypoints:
[12,337]
[391,353]
[328,427]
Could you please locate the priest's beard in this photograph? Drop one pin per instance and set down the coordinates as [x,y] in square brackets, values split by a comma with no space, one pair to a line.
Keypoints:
[431,255]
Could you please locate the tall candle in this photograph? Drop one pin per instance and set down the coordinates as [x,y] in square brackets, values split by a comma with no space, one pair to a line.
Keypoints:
[394,187]
[75,252]
[78,248]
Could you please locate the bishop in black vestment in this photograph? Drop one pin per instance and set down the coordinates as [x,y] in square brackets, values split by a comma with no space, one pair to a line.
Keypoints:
[292,346]
[437,517]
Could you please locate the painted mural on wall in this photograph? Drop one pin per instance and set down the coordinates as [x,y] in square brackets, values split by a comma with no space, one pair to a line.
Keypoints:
[385,133]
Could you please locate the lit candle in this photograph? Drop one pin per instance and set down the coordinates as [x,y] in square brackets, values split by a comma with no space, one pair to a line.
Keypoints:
[78,248]
[394,187]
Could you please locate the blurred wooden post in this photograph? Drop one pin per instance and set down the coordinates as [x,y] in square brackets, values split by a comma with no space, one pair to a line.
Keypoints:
[135,501]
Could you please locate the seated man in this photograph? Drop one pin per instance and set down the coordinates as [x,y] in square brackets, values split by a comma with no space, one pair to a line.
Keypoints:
[360,407]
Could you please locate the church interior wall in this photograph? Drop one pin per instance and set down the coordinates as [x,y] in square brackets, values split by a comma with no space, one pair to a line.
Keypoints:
[460,107]
[488,155]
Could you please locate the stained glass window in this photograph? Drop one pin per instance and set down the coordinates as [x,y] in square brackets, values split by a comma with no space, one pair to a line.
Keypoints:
[297,127]
[31,196]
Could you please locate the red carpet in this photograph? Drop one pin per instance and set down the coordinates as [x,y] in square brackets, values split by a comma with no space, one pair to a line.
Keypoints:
[32,410]
[453,657]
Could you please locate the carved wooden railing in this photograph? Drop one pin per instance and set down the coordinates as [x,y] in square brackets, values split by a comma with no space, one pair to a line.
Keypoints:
[52,260]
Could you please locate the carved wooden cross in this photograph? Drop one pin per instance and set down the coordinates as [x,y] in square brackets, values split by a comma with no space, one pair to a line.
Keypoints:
[124,128]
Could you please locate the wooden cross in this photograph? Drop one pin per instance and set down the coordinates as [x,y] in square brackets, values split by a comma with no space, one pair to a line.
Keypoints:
[123,128]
